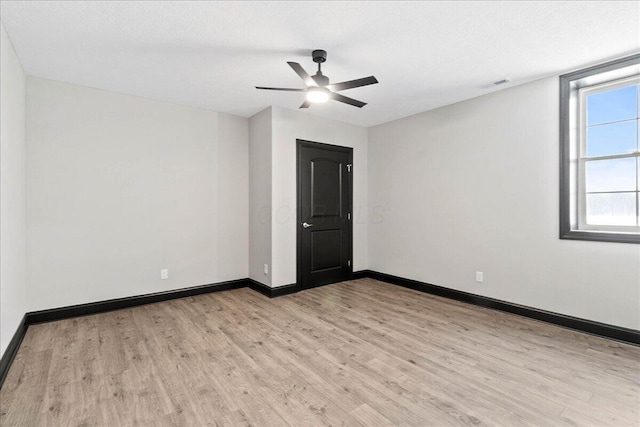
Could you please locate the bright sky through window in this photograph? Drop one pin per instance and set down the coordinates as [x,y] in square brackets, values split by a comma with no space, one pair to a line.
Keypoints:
[611,182]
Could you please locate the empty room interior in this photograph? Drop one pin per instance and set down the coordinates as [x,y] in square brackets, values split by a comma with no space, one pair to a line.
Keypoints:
[320,213]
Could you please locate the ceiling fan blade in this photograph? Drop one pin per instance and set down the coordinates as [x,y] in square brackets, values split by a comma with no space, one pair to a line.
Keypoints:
[347,100]
[302,73]
[305,104]
[352,83]
[280,88]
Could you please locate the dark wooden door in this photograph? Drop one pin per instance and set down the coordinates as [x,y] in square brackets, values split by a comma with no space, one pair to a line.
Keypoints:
[324,213]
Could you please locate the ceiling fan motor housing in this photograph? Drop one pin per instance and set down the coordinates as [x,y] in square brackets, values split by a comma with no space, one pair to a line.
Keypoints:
[319,56]
[320,79]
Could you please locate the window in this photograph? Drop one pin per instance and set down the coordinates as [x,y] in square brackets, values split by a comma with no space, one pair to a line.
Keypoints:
[600,152]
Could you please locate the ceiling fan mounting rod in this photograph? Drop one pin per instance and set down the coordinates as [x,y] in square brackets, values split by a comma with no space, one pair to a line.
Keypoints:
[319,56]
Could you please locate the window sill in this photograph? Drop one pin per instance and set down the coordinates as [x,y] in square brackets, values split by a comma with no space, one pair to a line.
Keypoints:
[601,236]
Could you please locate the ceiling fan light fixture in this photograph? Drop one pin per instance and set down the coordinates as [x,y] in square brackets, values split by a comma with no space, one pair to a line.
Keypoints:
[317,95]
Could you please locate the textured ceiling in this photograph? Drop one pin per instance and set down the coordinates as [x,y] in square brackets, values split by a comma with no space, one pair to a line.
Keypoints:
[211,54]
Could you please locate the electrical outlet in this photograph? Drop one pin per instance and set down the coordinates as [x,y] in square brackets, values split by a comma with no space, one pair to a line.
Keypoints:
[266,269]
[164,273]
[479,276]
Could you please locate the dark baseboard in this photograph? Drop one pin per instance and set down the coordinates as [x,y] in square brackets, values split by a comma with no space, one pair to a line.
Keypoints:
[119,303]
[362,274]
[12,349]
[630,336]
[608,331]
[284,290]
[279,291]
[273,292]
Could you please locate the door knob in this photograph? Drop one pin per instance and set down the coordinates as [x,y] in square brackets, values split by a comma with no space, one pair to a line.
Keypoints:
[307,225]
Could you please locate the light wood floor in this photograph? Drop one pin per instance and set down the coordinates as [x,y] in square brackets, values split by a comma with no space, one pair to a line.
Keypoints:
[355,353]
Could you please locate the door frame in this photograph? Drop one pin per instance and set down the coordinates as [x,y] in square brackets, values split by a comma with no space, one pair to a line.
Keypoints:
[321,145]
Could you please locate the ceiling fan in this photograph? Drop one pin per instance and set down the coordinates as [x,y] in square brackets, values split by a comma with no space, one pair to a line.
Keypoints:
[318,88]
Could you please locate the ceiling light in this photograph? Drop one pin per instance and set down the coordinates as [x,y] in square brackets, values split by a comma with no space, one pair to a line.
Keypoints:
[317,95]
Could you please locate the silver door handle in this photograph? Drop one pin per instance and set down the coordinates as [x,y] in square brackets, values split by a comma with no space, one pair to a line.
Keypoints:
[307,225]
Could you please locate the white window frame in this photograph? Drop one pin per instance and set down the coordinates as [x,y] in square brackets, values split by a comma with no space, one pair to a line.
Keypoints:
[573,90]
[583,159]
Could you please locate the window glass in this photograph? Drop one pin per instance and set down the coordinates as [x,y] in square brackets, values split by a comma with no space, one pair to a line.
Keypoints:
[612,138]
[611,175]
[611,209]
[613,105]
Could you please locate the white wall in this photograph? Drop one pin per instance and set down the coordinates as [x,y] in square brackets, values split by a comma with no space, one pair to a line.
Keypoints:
[474,187]
[232,181]
[260,196]
[120,187]
[288,126]
[13,291]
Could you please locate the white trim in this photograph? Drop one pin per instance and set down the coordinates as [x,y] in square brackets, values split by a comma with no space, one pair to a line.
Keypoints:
[582,159]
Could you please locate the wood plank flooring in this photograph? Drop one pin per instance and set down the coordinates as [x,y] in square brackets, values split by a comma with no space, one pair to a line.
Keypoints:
[359,353]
